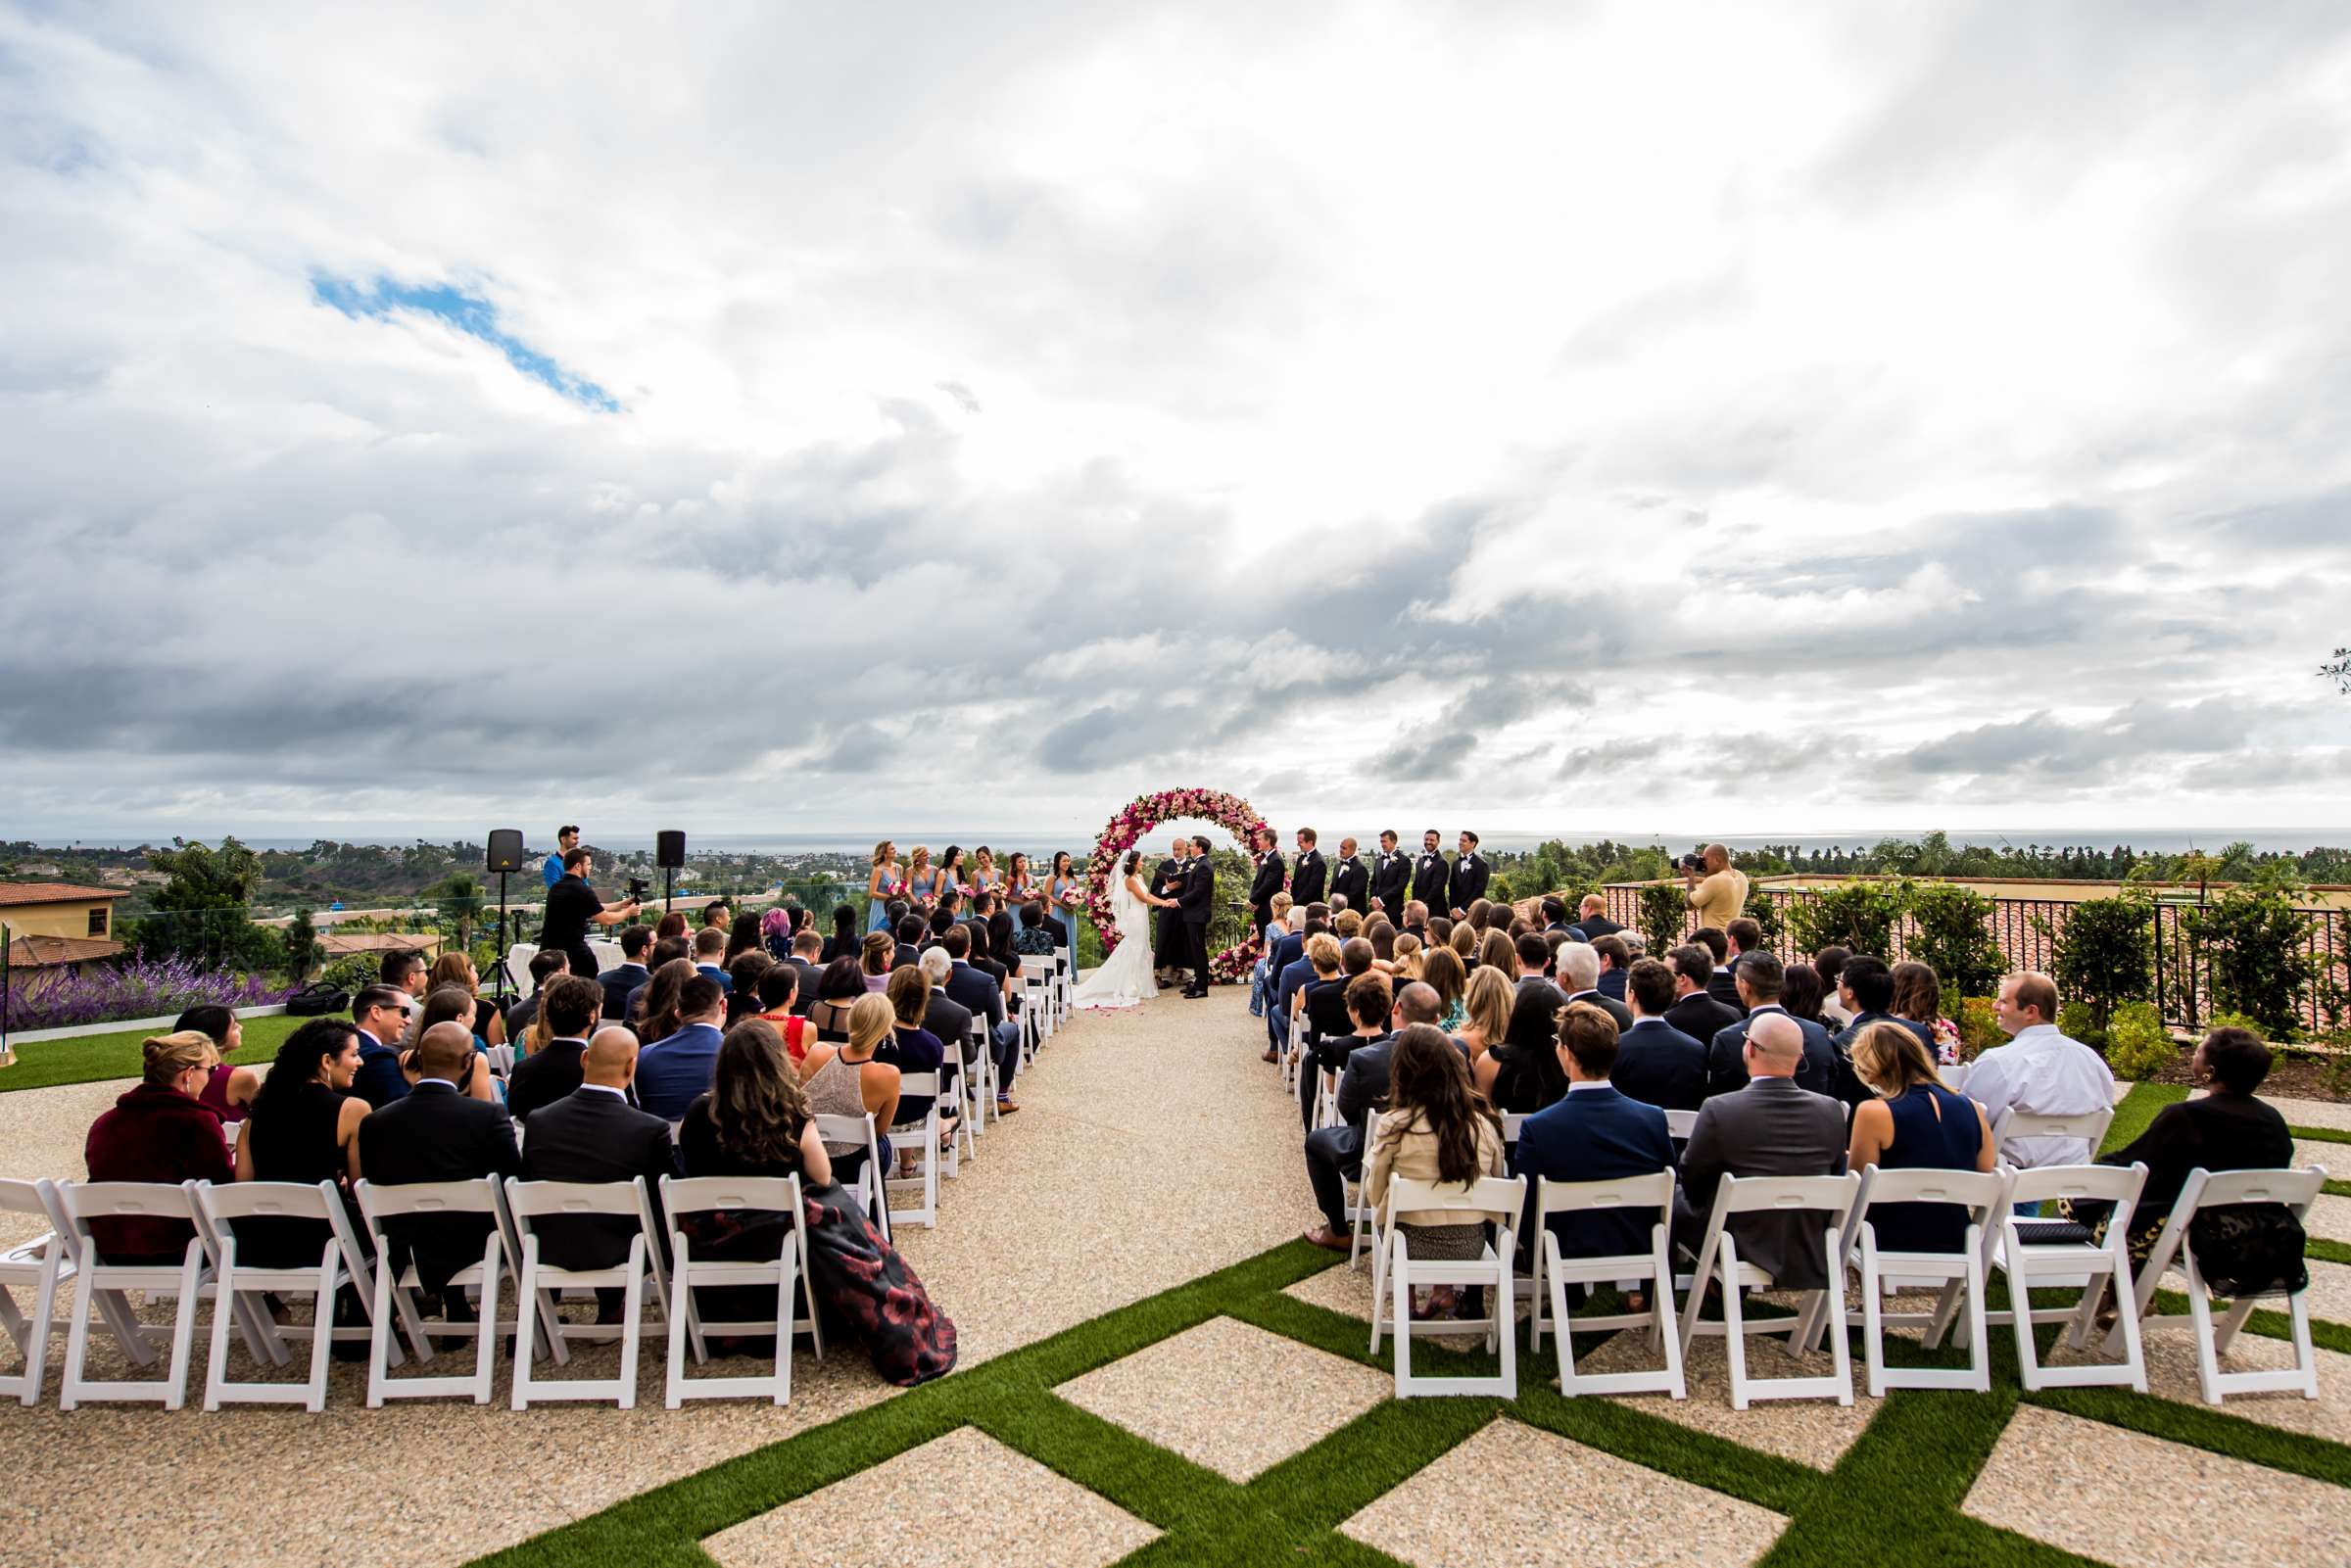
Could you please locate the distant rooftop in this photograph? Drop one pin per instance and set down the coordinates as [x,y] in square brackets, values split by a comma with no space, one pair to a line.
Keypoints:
[52,893]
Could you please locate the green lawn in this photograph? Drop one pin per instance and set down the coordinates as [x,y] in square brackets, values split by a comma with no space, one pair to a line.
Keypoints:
[44,1064]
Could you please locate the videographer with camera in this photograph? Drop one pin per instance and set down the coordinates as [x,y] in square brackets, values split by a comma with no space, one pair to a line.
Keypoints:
[572,906]
[1717,890]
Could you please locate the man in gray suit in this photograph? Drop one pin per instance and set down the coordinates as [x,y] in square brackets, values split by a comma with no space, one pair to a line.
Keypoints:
[1769,1128]
[1334,1156]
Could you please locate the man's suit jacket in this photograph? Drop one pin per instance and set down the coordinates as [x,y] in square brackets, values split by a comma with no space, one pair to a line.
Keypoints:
[1595,1134]
[950,1020]
[1287,951]
[543,1076]
[1535,1014]
[1198,895]
[1659,1064]
[1769,1128]
[672,1072]
[1594,928]
[1723,986]
[804,997]
[437,1134]
[1362,1089]
[1610,1006]
[975,990]
[1265,884]
[1612,984]
[1470,874]
[1726,1060]
[1430,878]
[1391,882]
[1296,975]
[1351,878]
[619,983]
[379,1080]
[1309,878]
[592,1134]
[1701,1016]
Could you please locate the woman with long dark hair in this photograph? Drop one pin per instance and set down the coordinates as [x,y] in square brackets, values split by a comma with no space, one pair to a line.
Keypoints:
[837,988]
[846,934]
[1800,994]
[454,1003]
[662,1015]
[1437,1128]
[304,1126]
[743,936]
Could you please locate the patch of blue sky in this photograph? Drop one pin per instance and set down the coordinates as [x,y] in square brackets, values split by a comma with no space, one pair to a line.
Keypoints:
[470,314]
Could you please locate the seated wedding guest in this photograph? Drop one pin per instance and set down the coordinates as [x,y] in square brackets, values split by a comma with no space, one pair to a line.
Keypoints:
[1441,967]
[438,1134]
[305,1127]
[1412,956]
[1436,931]
[775,933]
[405,974]
[1293,976]
[1720,984]
[911,930]
[1829,965]
[635,943]
[1914,1124]
[456,968]
[1868,988]
[592,1134]
[230,1089]
[523,1012]
[942,1014]
[157,1132]
[845,1080]
[1579,977]
[380,1013]
[1348,924]
[1496,949]
[1323,957]
[985,998]
[1760,980]
[1035,938]
[1769,1128]
[710,947]
[1515,1072]
[912,1048]
[743,937]
[1743,936]
[1594,1132]
[1382,937]
[2038,1072]
[2227,1129]
[779,1005]
[1334,1156]
[837,988]
[1535,1002]
[677,1067]
[1437,1129]
[1464,941]
[1800,994]
[1918,1003]
[1369,1002]
[807,952]
[658,1014]
[1286,914]
[453,1004]
[743,985]
[570,1008]
[1486,1003]
[1693,1011]
[1592,918]
[664,952]
[1657,1063]
[1554,911]
[717,915]
[671,926]
[1615,959]
[758,1121]
[846,937]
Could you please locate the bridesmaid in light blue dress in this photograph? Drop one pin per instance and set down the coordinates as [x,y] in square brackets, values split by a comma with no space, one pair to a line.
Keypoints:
[878,885]
[921,883]
[1060,882]
[985,879]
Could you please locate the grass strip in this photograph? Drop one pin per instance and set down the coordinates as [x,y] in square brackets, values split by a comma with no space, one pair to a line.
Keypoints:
[92,1058]
[2321,1134]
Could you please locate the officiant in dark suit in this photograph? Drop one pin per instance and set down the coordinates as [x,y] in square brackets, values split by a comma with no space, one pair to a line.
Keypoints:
[1391,877]
[1166,943]
[1312,873]
[1195,903]
[1266,884]
[1351,880]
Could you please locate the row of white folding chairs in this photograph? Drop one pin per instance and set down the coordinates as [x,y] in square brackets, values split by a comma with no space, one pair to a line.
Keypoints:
[209,1269]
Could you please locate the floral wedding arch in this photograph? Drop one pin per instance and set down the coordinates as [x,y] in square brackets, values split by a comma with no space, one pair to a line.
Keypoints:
[1127,829]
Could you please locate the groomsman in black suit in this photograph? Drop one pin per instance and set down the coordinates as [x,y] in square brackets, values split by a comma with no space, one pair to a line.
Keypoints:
[1429,873]
[1312,873]
[1470,874]
[1266,883]
[1391,876]
[1167,946]
[1349,880]
[1194,903]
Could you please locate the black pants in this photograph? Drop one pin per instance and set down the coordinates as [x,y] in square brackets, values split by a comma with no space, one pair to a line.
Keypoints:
[1195,952]
[1332,1158]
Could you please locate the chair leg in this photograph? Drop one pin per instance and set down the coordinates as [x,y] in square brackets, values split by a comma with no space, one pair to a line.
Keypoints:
[216,1362]
[1841,1350]
[786,1276]
[184,1332]
[1400,1281]
[1873,1319]
[1664,1331]
[1978,1348]
[1505,1311]
[485,1350]
[322,1336]
[1734,1330]
[632,1323]
[379,1332]
[2020,1318]
[36,1339]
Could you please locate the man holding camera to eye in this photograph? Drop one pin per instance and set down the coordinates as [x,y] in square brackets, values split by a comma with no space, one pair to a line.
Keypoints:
[1716,889]
[572,906]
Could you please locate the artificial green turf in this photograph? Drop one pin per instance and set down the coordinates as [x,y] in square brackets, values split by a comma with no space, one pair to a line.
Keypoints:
[1897,1491]
[88,1058]
[2321,1134]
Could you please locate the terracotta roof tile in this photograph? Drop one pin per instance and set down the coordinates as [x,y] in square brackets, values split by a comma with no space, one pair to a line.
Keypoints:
[52,893]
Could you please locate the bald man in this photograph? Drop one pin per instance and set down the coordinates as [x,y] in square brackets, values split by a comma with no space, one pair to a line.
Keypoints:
[1720,894]
[1769,1128]
[594,1134]
[436,1133]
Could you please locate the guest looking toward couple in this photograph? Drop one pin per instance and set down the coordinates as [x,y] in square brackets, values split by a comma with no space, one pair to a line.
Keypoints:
[1437,1129]
[2039,1071]
[1914,1122]
[1760,980]
[838,989]
[592,1134]
[435,1133]
[847,936]
[1693,1011]
[779,1005]
[1655,1062]
[1486,1002]
[677,1067]
[229,1089]
[570,1008]
[159,1131]
[845,1080]
[380,1013]
[632,971]
[1769,1128]
[453,1004]
[1334,1155]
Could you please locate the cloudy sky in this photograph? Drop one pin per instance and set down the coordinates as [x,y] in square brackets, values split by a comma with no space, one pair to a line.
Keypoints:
[1563,416]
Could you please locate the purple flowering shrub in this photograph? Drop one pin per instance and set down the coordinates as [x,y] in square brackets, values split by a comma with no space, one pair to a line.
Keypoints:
[134,989]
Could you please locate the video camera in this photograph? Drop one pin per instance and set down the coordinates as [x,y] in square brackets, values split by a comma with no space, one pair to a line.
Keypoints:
[637,890]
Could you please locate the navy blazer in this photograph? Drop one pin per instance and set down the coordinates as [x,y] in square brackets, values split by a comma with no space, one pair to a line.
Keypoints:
[618,983]
[975,990]
[1726,1061]
[1289,950]
[1659,1064]
[1596,1134]
[379,1080]
[672,1074]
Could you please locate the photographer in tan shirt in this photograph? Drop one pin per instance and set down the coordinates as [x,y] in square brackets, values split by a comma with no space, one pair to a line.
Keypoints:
[1721,894]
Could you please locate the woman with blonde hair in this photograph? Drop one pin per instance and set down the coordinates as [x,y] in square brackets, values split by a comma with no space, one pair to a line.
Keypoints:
[921,883]
[1464,941]
[844,1080]
[1915,1123]
[159,1131]
[881,885]
[1497,952]
[1411,960]
[1485,1011]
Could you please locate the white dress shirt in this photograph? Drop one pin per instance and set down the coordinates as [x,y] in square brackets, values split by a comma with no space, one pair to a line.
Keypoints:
[2042,1073]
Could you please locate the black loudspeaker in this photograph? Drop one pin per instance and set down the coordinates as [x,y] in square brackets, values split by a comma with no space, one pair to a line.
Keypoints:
[669,849]
[505,849]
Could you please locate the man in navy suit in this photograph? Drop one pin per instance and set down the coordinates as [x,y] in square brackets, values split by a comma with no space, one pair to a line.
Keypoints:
[1615,957]
[1391,877]
[975,989]
[435,1133]
[632,971]
[1693,1011]
[571,1004]
[1760,980]
[672,1072]
[593,1135]
[1592,1133]
[381,1012]
[1657,1063]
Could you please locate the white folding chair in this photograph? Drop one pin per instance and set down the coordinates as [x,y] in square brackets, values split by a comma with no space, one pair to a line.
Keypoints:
[1718,1259]
[1065,970]
[981,1088]
[501,1060]
[2297,1190]
[1327,1101]
[542,1283]
[925,1133]
[1036,1007]
[1394,1274]
[41,1265]
[858,1131]
[183,1281]
[1361,1212]
[1679,1124]
[340,1263]
[2054,1254]
[1554,1272]
[396,1289]
[2012,1123]
[785,1273]
[1958,1276]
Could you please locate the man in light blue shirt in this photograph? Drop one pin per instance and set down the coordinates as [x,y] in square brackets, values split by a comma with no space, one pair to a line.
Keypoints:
[568,837]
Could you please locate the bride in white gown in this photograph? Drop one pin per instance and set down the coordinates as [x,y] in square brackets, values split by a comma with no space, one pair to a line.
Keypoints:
[1124,977]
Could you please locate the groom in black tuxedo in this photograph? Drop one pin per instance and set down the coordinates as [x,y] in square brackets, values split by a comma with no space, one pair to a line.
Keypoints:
[1199,893]
[1266,884]
[1167,946]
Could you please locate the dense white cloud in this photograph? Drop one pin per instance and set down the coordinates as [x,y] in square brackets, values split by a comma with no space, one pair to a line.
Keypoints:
[1602,415]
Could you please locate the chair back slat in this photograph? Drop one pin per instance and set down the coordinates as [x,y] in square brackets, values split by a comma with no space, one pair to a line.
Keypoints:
[1653,1191]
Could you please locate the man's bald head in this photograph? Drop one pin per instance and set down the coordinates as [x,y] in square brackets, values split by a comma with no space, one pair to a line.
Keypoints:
[1418,1003]
[1716,857]
[611,1058]
[1775,1045]
[446,1051]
